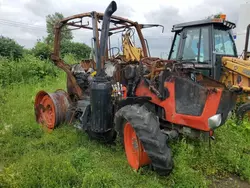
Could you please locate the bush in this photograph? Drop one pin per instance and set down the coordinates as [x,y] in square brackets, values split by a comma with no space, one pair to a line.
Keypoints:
[79,50]
[27,52]
[9,48]
[27,69]
[42,50]
[70,59]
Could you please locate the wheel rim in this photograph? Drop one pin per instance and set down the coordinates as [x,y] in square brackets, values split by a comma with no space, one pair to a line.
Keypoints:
[136,155]
[52,109]
[47,115]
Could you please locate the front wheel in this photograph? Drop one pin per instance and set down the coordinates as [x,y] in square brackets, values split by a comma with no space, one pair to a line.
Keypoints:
[144,143]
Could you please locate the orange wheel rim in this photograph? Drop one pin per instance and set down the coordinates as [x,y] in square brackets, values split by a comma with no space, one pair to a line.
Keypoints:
[47,115]
[135,153]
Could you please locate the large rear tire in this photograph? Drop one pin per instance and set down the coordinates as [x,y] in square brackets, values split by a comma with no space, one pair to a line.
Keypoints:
[243,110]
[147,129]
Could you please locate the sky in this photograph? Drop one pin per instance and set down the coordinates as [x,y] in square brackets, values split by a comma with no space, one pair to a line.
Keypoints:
[24,20]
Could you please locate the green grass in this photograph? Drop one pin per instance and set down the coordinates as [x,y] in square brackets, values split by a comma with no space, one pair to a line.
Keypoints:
[67,158]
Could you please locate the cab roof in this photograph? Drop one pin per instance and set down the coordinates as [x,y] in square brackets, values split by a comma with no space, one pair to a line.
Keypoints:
[215,21]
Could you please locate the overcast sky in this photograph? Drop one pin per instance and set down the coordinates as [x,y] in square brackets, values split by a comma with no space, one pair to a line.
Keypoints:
[30,25]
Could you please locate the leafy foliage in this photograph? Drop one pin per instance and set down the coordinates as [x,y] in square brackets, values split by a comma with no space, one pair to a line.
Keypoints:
[27,69]
[42,50]
[9,48]
[51,21]
[79,50]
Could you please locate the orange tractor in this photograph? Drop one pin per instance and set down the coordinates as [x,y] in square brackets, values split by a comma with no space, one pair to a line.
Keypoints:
[210,46]
[145,101]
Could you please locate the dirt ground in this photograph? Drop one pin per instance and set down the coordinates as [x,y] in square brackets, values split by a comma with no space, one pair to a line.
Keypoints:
[229,182]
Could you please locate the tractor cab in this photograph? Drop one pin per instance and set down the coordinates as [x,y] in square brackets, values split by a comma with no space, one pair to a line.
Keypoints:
[203,43]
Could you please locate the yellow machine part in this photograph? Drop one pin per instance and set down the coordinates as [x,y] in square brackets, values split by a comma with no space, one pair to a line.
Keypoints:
[130,51]
[236,75]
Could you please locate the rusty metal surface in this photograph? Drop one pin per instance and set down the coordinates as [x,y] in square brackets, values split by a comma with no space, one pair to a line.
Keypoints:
[100,16]
[144,48]
[59,101]
[62,103]
[73,87]
[72,84]
[155,66]
[78,21]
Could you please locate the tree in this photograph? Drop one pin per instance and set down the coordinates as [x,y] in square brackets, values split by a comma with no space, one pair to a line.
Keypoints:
[42,50]
[79,50]
[9,48]
[51,20]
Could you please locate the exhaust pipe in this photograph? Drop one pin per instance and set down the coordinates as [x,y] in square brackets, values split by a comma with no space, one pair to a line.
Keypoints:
[246,42]
[104,35]
[101,89]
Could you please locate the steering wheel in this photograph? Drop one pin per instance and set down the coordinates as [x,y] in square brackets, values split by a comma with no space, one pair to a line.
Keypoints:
[112,50]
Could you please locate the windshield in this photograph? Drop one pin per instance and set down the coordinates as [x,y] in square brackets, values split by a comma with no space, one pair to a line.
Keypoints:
[196,45]
[224,43]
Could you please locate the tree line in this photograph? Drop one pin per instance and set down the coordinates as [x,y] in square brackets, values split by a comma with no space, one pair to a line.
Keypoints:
[43,48]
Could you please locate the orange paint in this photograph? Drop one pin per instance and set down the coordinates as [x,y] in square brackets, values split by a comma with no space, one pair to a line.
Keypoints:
[135,153]
[124,90]
[196,122]
[45,110]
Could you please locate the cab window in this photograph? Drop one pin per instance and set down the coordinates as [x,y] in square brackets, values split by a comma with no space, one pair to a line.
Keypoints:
[224,42]
[175,47]
[196,45]
[190,51]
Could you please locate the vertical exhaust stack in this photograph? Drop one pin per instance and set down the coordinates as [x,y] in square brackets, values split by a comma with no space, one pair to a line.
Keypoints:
[104,35]
[100,95]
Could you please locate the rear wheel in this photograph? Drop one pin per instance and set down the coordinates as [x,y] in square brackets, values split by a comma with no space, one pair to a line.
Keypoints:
[51,109]
[243,112]
[143,140]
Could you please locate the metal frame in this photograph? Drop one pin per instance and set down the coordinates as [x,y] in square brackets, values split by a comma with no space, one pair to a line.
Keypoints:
[118,25]
[118,22]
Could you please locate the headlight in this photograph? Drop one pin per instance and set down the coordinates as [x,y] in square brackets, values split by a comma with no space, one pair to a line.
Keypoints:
[214,121]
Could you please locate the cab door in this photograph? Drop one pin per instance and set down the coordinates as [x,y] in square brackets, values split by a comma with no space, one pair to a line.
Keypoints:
[223,45]
[196,48]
